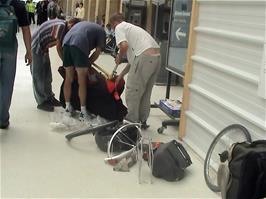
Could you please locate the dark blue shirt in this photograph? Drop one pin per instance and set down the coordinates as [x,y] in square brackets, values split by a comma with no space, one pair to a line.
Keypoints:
[86,36]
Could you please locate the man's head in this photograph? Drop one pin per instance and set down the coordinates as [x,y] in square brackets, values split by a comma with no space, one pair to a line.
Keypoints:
[116,19]
[71,22]
[81,5]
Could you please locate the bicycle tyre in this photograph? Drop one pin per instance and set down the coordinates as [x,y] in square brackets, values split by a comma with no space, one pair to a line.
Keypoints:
[116,134]
[216,140]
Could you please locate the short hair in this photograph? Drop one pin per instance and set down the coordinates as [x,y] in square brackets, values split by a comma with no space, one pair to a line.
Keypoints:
[74,21]
[118,17]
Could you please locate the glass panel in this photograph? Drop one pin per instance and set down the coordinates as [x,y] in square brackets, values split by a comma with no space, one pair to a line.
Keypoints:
[179,35]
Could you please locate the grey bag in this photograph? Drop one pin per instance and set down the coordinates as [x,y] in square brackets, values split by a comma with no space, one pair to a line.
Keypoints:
[170,161]
[245,175]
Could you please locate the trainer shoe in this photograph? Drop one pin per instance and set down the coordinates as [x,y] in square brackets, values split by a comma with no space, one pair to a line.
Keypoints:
[84,117]
[70,112]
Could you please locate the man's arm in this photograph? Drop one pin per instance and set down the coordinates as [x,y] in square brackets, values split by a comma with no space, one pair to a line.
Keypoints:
[122,74]
[123,46]
[95,55]
[27,41]
[59,49]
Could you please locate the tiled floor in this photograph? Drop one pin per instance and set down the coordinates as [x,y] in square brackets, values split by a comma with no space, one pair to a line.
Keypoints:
[37,162]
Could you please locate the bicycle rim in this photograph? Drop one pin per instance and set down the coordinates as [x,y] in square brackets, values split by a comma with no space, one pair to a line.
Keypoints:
[222,142]
[122,143]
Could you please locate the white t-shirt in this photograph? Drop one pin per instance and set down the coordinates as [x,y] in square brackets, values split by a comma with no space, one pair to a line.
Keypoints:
[138,39]
[80,13]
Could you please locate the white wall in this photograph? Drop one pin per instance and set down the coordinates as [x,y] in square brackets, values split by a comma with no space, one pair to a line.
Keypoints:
[225,71]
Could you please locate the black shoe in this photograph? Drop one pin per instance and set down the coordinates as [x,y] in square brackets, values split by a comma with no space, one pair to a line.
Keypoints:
[144,125]
[46,106]
[54,102]
[4,126]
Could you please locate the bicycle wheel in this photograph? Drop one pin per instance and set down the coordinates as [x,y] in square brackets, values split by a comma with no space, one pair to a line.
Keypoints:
[123,142]
[221,143]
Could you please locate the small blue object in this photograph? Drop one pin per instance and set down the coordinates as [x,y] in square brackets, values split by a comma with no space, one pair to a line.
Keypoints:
[170,107]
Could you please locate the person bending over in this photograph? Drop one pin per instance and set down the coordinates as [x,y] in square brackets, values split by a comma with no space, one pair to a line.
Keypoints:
[144,59]
[49,34]
[77,46]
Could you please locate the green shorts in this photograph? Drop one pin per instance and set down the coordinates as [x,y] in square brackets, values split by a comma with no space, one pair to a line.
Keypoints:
[73,56]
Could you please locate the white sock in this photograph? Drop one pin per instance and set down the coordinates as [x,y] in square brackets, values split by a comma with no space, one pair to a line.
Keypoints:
[67,105]
[83,109]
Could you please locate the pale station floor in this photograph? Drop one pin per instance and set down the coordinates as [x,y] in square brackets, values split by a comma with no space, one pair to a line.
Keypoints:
[38,162]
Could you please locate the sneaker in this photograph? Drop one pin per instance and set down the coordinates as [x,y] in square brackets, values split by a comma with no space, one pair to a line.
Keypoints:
[4,126]
[70,111]
[45,106]
[54,102]
[84,117]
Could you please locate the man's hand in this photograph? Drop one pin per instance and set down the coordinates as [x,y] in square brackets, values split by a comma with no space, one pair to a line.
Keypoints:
[27,41]
[118,79]
[28,58]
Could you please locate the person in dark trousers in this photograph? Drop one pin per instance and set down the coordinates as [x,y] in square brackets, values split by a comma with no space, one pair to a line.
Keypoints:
[143,54]
[49,34]
[8,58]
[31,11]
[77,46]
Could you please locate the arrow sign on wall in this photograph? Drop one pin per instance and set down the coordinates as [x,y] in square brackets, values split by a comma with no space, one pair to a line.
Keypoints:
[178,34]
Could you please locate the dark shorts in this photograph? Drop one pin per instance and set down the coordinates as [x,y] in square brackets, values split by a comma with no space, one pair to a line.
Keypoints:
[73,56]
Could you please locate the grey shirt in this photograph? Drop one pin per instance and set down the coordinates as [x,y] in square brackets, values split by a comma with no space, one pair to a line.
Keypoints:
[86,36]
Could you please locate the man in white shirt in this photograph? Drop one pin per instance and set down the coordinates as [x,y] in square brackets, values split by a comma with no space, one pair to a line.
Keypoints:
[144,60]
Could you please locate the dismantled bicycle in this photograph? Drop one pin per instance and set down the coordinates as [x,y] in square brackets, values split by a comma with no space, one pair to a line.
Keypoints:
[218,152]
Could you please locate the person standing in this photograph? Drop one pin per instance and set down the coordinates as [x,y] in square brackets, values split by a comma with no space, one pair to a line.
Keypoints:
[77,46]
[31,11]
[8,58]
[143,55]
[80,11]
[49,34]
[53,9]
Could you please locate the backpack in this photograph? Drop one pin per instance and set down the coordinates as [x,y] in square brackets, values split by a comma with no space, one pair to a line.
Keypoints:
[243,174]
[8,24]
[170,161]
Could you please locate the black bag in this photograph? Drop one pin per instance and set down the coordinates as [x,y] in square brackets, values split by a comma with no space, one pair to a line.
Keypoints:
[170,161]
[247,171]
[8,24]
[99,101]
